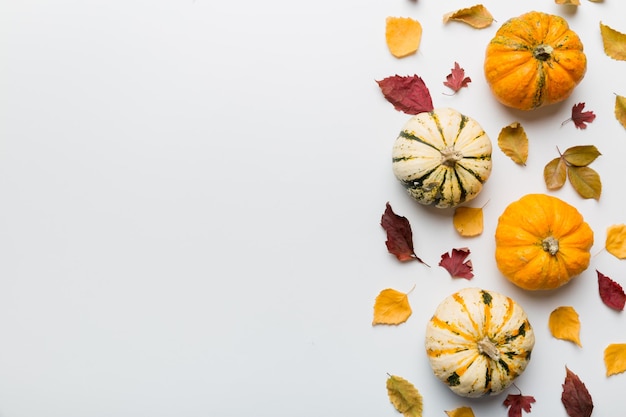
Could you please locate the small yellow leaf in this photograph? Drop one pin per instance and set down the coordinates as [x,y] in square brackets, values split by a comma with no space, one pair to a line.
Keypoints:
[585,181]
[555,173]
[581,155]
[403,36]
[614,42]
[477,16]
[620,110]
[564,324]
[615,358]
[391,307]
[616,240]
[513,141]
[461,412]
[468,221]
[568,2]
[404,396]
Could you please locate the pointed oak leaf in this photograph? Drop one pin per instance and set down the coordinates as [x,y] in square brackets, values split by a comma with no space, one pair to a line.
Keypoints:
[581,156]
[457,79]
[611,293]
[517,403]
[399,236]
[564,324]
[615,242]
[456,265]
[408,94]
[404,396]
[477,16]
[461,412]
[555,173]
[513,141]
[615,358]
[403,36]
[580,117]
[614,42]
[585,181]
[620,109]
[468,221]
[575,396]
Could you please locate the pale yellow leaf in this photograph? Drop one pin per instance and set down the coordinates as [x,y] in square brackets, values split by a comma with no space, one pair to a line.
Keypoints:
[513,141]
[615,358]
[564,324]
[476,16]
[616,240]
[403,36]
[391,307]
[461,412]
[555,173]
[585,181]
[568,2]
[468,221]
[404,396]
[614,42]
[620,110]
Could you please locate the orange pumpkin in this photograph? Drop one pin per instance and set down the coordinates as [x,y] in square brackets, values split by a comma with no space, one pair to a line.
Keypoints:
[534,60]
[542,242]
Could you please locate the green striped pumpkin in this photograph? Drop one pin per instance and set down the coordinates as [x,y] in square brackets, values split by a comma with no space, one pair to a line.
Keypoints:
[442,157]
[478,342]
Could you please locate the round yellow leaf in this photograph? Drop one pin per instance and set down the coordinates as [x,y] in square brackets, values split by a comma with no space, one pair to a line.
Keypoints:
[615,358]
[403,36]
[468,221]
[616,240]
[564,324]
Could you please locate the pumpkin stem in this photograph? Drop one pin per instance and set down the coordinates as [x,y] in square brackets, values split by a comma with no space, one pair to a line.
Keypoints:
[450,156]
[543,52]
[550,245]
[488,348]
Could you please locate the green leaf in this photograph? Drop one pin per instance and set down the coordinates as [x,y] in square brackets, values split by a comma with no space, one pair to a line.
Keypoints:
[404,396]
[585,181]
[580,156]
[555,173]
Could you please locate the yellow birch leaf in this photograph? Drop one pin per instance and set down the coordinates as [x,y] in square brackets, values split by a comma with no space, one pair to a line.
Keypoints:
[620,110]
[403,36]
[468,221]
[568,2]
[477,16]
[614,42]
[564,324]
[616,240]
[555,173]
[404,396]
[615,358]
[391,307]
[585,181]
[513,141]
[461,412]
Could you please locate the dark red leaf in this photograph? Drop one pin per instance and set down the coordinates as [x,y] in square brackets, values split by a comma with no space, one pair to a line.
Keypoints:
[575,397]
[457,79]
[408,94]
[611,293]
[456,265]
[399,236]
[580,117]
[517,403]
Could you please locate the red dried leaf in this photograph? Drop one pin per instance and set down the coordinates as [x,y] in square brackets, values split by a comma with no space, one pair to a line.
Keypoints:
[408,94]
[580,117]
[611,293]
[456,265]
[457,79]
[399,236]
[517,403]
[575,397]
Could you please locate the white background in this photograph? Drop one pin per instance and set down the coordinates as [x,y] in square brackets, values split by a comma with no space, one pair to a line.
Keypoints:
[190,197]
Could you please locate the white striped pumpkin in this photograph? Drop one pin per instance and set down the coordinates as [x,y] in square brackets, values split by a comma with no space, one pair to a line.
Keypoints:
[478,342]
[442,157]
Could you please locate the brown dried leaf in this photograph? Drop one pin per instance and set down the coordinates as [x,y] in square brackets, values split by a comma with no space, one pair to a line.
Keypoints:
[585,181]
[616,240]
[476,16]
[615,358]
[404,396]
[461,412]
[564,324]
[391,307]
[581,156]
[620,109]
[614,42]
[575,397]
[555,173]
[403,36]
[513,141]
[468,221]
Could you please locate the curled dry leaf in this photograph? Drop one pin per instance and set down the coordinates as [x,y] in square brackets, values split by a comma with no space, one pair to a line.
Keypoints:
[468,221]
[575,396]
[615,243]
[620,109]
[611,293]
[564,324]
[476,16]
[403,36]
[615,358]
[614,42]
[461,412]
[555,173]
[404,396]
[391,307]
[517,403]
[408,94]
[513,141]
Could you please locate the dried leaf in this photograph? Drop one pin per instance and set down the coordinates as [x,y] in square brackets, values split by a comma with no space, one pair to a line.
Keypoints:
[468,221]
[564,324]
[403,36]
[399,235]
[555,173]
[568,2]
[456,265]
[585,181]
[408,94]
[614,42]
[461,412]
[580,117]
[476,16]
[611,293]
[615,358]
[575,397]
[615,243]
[620,109]
[457,79]
[513,141]
[391,307]
[404,396]
[517,403]
[581,156]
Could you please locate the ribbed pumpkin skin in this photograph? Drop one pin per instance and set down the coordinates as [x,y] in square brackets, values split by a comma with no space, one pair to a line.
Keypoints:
[442,157]
[534,60]
[456,334]
[522,242]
